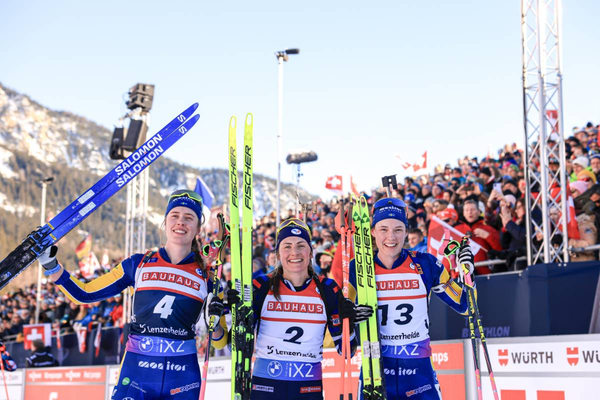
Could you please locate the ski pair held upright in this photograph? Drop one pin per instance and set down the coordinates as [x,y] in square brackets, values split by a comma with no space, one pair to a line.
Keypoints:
[242,315]
[373,386]
[44,237]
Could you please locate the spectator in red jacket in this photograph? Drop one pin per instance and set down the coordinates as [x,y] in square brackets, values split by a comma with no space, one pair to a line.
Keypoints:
[484,235]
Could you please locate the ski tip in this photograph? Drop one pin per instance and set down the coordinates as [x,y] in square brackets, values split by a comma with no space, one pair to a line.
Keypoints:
[232,122]
[190,110]
[249,119]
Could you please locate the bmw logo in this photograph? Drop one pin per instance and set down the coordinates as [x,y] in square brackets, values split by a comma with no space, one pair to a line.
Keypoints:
[146,344]
[296,231]
[275,369]
[412,266]
[199,271]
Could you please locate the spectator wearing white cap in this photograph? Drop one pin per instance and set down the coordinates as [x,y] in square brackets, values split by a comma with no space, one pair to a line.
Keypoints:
[579,164]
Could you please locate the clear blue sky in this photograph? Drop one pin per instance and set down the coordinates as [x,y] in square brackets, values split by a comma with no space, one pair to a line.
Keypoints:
[372,80]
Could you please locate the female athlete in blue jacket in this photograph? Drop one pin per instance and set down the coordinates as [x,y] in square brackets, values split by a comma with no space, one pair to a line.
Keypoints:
[293,307]
[404,281]
[169,291]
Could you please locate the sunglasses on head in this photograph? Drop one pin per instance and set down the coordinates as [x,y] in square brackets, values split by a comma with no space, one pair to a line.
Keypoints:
[297,222]
[585,179]
[186,193]
[389,201]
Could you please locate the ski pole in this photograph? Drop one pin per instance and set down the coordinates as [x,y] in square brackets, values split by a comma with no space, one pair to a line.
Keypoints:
[341,227]
[450,250]
[2,350]
[486,354]
[473,300]
[471,312]
[217,270]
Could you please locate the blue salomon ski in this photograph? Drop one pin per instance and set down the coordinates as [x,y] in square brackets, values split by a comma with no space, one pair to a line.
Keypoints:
[42,238]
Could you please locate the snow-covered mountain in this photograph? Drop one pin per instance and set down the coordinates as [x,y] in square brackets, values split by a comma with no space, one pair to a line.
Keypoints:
[58,137]
[36,142]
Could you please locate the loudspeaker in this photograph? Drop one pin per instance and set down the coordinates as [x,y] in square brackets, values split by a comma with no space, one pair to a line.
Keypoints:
[116,151]
[136,135]
[142,88]
[139,100]
[141,95]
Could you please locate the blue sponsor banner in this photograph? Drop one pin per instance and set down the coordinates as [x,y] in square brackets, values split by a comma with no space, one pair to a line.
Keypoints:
[544,299]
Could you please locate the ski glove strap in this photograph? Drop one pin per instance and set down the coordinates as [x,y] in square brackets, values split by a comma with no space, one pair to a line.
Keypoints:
[213,308]
[363,313]
[466,262]
[48,259]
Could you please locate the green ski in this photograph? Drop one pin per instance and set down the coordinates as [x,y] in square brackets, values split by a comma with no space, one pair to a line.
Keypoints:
[242,331]
[372,385]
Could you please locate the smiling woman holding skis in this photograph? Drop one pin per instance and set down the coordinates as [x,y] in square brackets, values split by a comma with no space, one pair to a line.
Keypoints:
[170,289]
[404,281]
[293,307]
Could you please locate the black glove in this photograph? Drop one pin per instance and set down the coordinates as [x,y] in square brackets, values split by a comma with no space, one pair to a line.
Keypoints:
[466,262]
[213,307]
[348,310]
[363,313]
[232,296]
[48,258]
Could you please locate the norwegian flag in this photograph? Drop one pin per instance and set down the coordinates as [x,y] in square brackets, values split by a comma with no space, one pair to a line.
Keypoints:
[98,339]
[334,183]
[435,238]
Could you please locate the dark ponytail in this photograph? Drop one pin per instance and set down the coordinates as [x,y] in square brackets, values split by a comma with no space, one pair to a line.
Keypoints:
[197,256]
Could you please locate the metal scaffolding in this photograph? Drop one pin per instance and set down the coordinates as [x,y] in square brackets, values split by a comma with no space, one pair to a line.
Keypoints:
[546,192]
[135,214]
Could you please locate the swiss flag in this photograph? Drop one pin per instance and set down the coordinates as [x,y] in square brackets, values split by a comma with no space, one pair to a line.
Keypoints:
[421,164]
[435,238]
[37,331]
[334,183]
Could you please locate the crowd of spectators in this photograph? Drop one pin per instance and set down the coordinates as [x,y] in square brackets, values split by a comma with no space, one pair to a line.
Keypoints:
[481,198]
[18,308]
